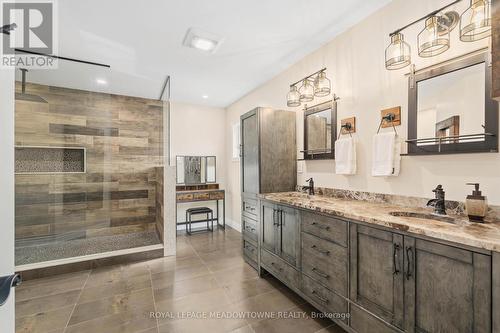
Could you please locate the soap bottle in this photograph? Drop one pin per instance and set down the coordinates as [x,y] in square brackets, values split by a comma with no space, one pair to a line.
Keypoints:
[476,205]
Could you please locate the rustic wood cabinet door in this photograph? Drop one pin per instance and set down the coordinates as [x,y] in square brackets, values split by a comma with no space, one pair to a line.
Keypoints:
[269,224]
[289,242]
[250,154]
[376,264]
[447,289]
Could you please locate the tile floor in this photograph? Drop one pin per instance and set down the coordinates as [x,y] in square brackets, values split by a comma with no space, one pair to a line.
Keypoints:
[207,277]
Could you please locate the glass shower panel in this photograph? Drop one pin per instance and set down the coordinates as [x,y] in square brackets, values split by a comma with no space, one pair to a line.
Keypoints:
[85,165]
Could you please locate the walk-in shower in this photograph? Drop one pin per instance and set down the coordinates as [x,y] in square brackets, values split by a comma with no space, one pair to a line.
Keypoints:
[88,166]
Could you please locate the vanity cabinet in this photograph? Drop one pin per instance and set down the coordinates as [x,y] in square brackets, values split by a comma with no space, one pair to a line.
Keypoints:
[280,232]
[447,289]
[387,281]
[419,285]
[376,263]
[268,164]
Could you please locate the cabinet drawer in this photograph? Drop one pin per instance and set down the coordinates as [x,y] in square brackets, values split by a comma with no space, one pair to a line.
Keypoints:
[202,196]
[249,207]
[325,262]
[328,301]
[325,227]
[364,322]
[279,268]
[216,195]
[250,228]
[250,250]
[184,197]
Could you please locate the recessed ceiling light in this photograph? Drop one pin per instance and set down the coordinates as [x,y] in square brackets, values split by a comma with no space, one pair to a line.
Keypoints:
[205,96]
[101,82]
[202,40]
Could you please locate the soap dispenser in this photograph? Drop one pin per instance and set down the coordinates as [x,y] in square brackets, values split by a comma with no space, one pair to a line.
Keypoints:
[476,205]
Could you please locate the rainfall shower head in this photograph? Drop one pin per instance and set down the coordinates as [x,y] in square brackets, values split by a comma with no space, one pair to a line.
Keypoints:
[23,96]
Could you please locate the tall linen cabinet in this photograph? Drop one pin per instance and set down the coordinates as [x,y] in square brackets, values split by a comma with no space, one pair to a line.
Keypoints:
[268,164]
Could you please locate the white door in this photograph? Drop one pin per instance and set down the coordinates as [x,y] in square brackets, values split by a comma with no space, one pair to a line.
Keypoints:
[7,318]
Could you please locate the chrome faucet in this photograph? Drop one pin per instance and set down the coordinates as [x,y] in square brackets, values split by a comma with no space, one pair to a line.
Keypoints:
[310,188]
[439,202]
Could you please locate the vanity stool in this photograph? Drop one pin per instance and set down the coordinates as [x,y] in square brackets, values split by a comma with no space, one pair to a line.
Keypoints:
[196,211]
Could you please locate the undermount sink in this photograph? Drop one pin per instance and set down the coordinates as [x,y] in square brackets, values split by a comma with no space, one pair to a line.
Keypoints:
[427,216]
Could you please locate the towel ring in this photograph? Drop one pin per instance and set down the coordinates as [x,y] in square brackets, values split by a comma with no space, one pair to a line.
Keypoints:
[389,117]
[348,128]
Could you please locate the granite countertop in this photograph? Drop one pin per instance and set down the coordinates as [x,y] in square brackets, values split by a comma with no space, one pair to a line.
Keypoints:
[481,235]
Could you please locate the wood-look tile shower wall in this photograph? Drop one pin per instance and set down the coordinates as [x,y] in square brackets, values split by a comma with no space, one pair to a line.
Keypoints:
[123,141]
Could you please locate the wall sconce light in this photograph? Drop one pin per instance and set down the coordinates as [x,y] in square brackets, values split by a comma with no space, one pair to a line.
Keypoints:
[322,85]
[398,53]
[313,85]
[434,39]
[293,97]
[475,22]
[306,91]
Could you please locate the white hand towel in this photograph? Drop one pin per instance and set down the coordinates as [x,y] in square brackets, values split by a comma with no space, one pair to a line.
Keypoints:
[384,160]
[345,156]
[397,157]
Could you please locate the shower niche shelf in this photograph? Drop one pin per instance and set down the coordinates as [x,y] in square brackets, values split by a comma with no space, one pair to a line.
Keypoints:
[43,160]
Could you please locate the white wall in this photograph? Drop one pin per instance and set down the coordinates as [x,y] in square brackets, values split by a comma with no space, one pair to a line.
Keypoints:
[198,130]
[7,192]
[355,62]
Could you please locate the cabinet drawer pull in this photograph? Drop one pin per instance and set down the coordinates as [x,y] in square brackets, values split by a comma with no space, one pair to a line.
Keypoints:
[275,220]
[395,259]
[319,226]
[249,228]
[276,266]
[314,247]
[251,249]
[320,273]
[409,267]
[322,299]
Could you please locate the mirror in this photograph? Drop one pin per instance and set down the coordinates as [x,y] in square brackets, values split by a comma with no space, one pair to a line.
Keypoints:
[196,169]
[446,105]
[450,110]
[319,131]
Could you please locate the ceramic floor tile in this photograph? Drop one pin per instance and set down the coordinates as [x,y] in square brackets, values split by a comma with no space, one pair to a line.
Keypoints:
[210,325]
[117,323]
[40,288]
[46,303]
[207,277]
[235,274]
[165,279]
[45,321]
[241,290]
[138,303]
[186,287]
[93,292]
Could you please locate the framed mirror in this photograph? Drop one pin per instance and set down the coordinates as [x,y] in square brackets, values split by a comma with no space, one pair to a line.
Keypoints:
[196,169]
[320,128]
[451,111]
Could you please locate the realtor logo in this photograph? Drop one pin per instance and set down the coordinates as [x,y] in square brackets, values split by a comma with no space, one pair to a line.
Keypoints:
[29,28]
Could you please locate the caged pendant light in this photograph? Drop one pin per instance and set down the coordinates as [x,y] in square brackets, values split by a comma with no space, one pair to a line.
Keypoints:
[306,91]
[475,22]
[398,53]
[322,85]
[434,39]
[293,97]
